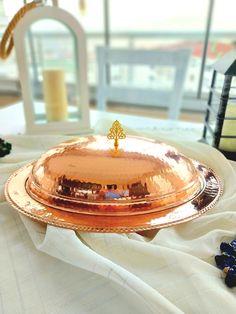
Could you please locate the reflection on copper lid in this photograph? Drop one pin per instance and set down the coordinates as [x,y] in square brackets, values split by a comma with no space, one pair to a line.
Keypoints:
[84,175]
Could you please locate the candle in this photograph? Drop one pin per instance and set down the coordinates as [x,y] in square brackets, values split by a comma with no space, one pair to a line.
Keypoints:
[229,128]
[55,94]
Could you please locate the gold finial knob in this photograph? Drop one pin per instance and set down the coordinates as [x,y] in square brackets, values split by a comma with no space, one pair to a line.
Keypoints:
[116,133]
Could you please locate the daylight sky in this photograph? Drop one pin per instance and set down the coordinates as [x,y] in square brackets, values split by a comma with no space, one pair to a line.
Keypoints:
[148,15]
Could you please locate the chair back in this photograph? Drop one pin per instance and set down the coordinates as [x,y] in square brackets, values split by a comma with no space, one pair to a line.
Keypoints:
[172,63]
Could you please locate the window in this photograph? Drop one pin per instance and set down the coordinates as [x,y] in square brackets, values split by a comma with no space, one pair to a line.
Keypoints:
[222,36]
[172,24]
[147,24]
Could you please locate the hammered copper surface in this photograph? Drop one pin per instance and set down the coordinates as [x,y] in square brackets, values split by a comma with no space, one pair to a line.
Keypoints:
[17,196]
[87,175]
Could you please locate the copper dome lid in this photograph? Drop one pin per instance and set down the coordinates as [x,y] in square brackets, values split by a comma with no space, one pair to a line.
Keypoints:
[87,175]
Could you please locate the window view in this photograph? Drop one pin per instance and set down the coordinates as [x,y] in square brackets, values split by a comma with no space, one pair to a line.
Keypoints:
[174,24]
[9,83]
[165,25]
[222,37]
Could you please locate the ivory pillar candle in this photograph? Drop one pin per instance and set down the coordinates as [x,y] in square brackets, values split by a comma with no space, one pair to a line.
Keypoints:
[55,94]
[229,128]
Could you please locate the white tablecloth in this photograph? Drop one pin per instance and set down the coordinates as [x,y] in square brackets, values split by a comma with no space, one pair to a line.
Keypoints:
[53,270]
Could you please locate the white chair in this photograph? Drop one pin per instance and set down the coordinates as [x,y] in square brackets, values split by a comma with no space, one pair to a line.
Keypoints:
[169,96]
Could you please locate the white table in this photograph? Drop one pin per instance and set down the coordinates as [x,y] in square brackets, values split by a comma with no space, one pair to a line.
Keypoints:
[12,121]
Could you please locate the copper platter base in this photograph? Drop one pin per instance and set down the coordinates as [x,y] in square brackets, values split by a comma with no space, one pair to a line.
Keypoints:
[17,196]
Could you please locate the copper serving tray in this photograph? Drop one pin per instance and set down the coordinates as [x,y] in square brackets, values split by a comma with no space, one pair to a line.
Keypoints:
[17,195]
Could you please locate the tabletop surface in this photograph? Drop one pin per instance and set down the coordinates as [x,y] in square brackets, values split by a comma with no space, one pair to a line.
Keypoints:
[12,122]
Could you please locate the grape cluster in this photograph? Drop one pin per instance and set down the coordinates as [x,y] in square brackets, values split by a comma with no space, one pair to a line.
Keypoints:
[5,148]
[227,262]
